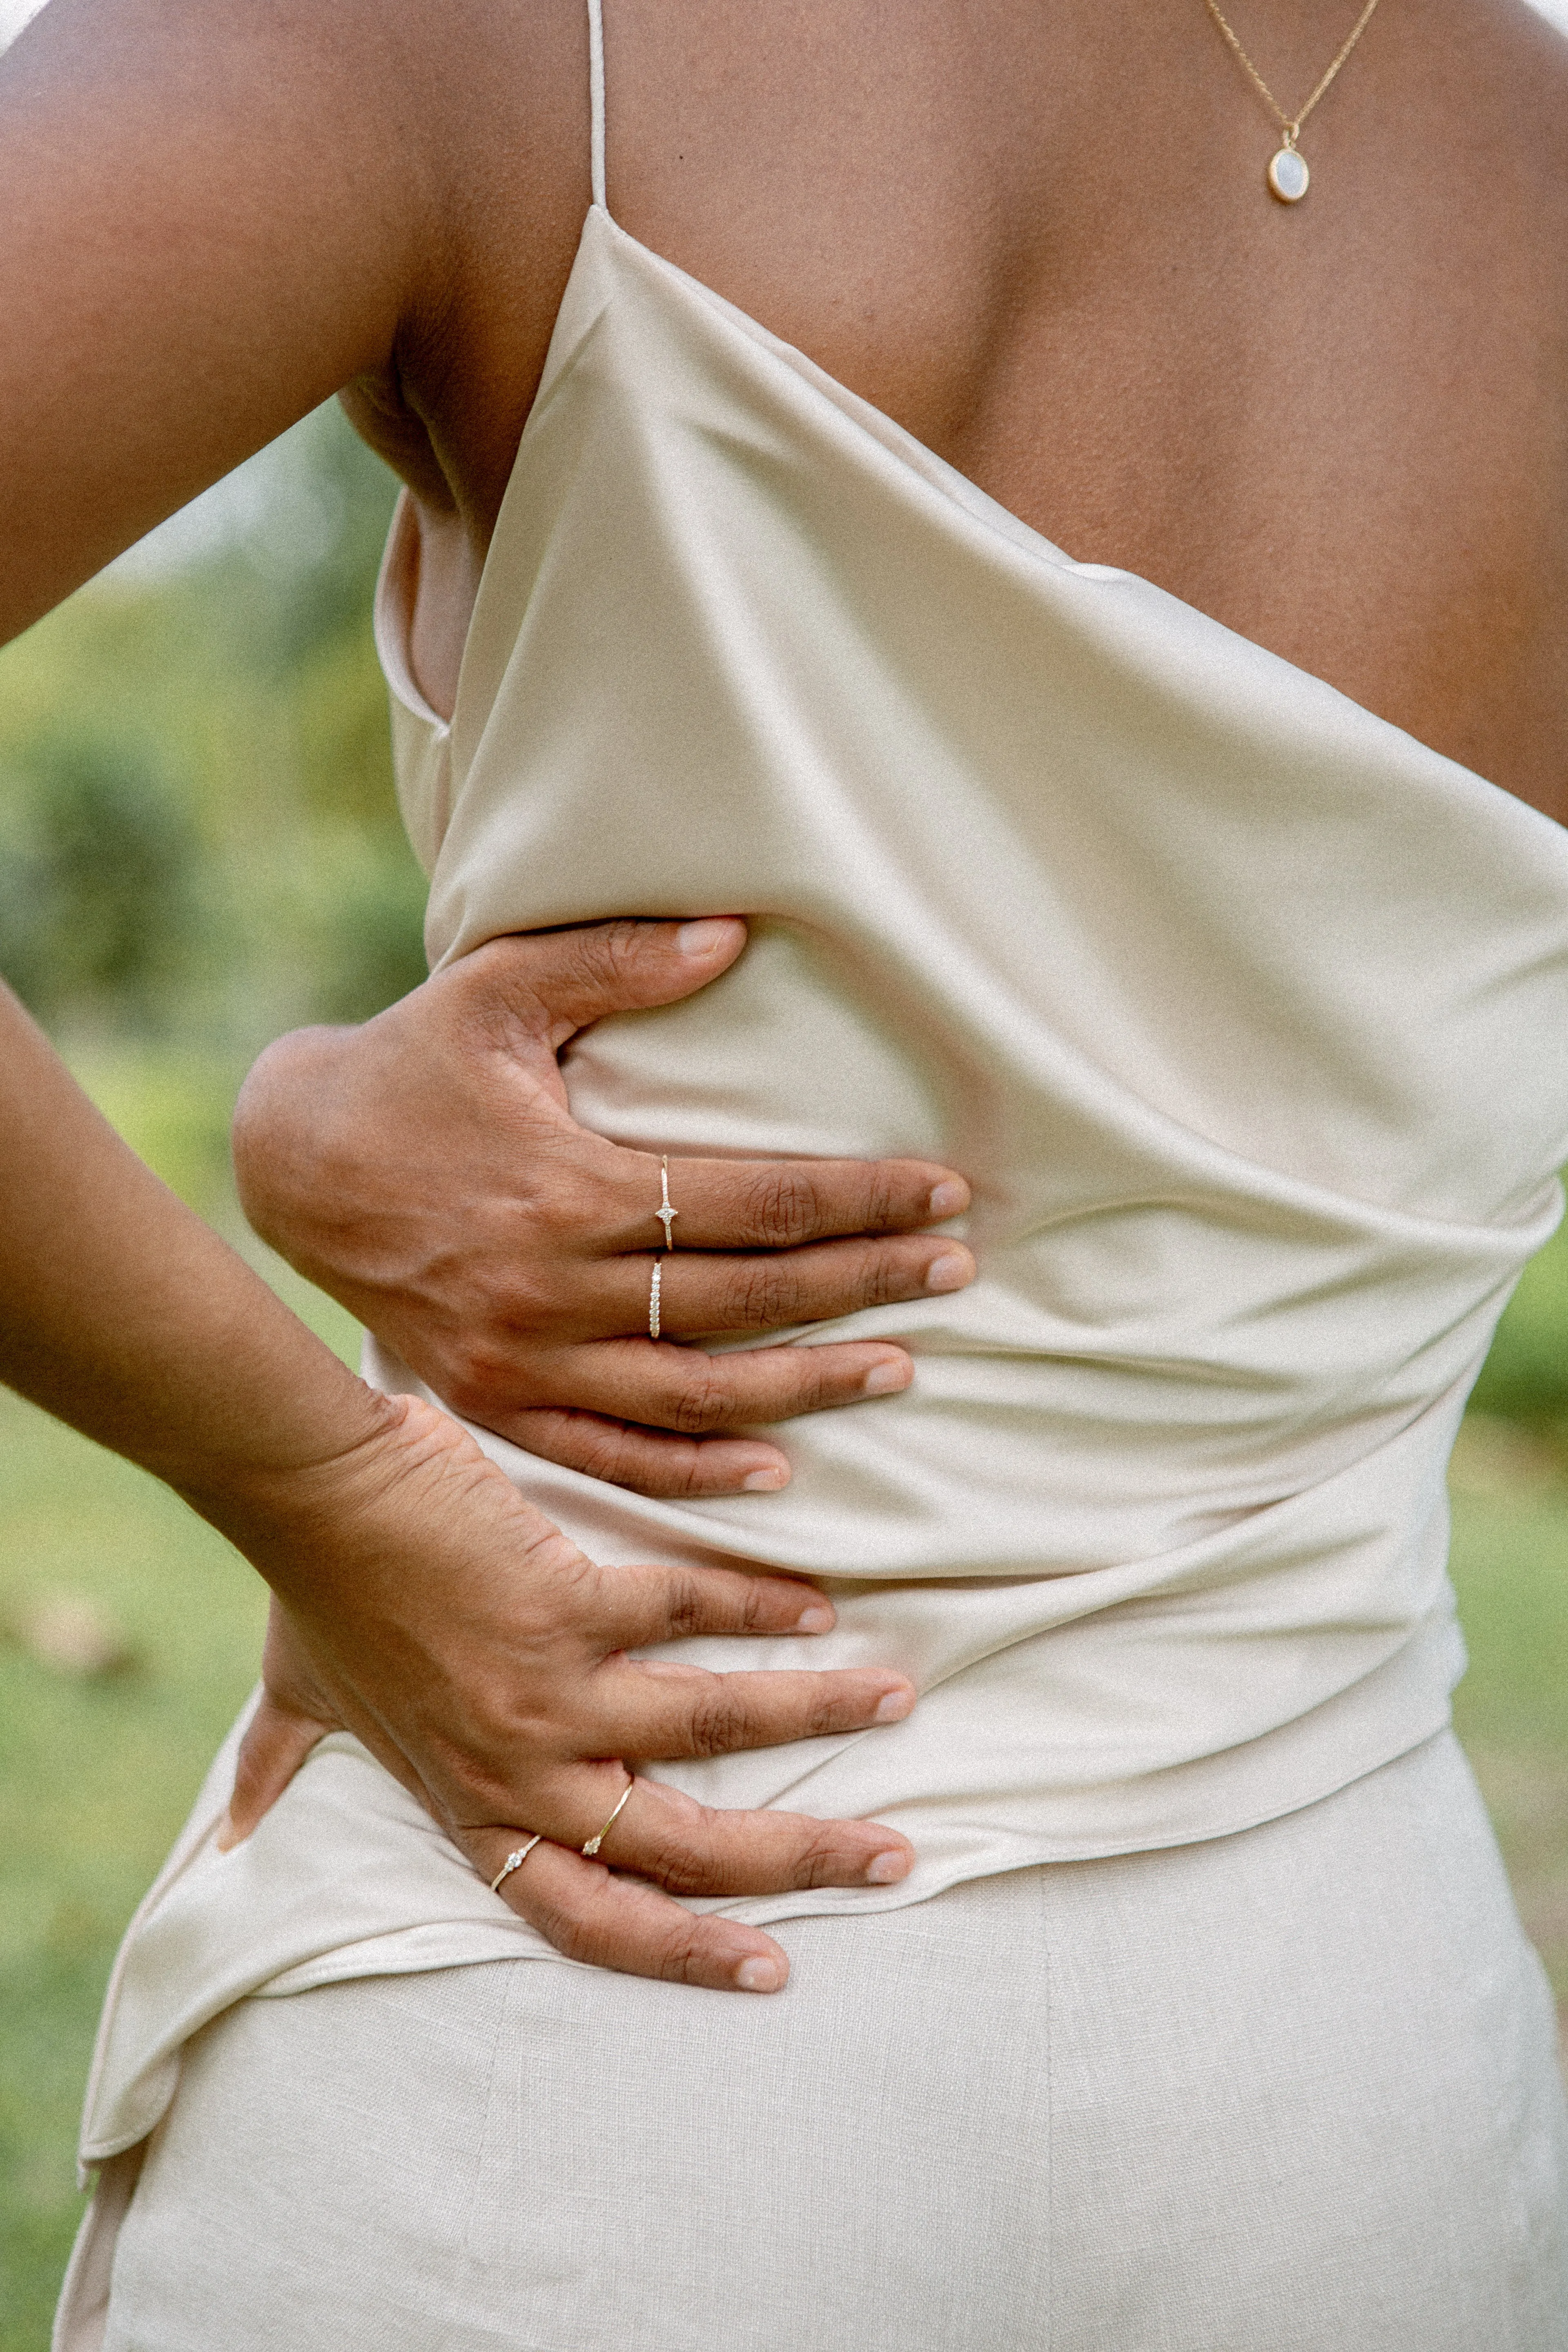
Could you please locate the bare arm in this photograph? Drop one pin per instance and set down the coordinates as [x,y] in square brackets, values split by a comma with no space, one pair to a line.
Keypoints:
[212,218]
[480,1656]
[209,220]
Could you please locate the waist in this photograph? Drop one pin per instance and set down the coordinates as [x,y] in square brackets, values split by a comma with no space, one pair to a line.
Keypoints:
[1044,1670]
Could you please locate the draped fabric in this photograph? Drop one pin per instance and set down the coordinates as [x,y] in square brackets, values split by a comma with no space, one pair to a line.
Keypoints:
[1245,1015]
[1288,2091]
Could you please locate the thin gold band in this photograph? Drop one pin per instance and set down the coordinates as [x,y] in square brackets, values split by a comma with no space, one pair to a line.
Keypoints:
[595,1843]
[664,1213]
[515,1859]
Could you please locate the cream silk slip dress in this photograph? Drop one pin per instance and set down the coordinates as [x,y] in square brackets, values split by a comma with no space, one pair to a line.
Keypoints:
[1245,1015]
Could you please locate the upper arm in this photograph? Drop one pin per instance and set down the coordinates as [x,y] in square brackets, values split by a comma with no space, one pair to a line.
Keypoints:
[211,217]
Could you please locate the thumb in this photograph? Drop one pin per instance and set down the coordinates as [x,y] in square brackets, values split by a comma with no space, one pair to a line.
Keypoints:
[293,1715]
[564,980]
[276,1742]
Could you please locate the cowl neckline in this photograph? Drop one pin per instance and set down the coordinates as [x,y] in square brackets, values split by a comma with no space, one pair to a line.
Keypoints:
[895,439]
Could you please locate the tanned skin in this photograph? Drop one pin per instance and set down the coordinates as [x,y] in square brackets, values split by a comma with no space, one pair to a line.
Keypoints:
[1036,232]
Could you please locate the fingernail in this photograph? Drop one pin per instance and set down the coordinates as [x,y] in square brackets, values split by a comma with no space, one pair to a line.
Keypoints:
[883,1379]
[705,937]
[228,1836]
[894,1707]
[947,1273]
[949,1199]
[766,1482]
[884,1869]
[814,1621]
[759,1976]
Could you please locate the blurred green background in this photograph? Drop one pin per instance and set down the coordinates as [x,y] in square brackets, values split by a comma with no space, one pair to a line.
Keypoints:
[198,849]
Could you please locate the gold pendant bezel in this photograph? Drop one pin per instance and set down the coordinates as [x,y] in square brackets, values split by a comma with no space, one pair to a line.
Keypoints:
[1287,195]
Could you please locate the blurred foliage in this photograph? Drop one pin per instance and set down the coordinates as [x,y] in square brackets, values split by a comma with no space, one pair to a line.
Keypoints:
[96,905]
[199,847]
[1525,1378]
[198,837]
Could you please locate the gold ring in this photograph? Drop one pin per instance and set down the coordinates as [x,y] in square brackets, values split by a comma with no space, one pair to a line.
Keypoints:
[595,1843]
[664,1213]
[653,1301]
[516,1859]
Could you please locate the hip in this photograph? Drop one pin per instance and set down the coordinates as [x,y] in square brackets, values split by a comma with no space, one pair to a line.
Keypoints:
[1293,2086]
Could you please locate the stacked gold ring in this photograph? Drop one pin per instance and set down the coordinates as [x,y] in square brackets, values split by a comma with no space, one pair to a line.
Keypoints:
[515,1859]
[667,1216]
[596,1842]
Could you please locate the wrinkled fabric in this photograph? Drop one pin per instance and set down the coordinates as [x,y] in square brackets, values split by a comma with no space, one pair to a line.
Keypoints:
[1245,1015]
[1290,2091]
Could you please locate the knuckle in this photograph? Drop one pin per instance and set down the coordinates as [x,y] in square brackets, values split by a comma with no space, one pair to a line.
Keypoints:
[817,1860]
[576,1581]
[683,1957]
[883,1204]
[687,1610]
[688,1864]
[605,954]
[782,1208]
[707,1400]
[715,1723]
[561,1205]
[764,1296]
[682,1472]
[818,1379]
[694,1875]
[600,1451]
[476,1376]
[759,1606]
[828,1710]
[885,1279]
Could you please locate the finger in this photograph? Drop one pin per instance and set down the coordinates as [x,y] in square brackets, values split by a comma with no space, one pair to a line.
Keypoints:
[662,1709]
[701,1294]
[632,1608]
[276,1742]
[558,981]
[647,1461]
[698,1850]
[596,1917]
[685,1390]
[782,1204]
[693,1393]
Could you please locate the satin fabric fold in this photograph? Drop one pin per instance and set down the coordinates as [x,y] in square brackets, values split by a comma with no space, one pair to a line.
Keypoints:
[1245,1015]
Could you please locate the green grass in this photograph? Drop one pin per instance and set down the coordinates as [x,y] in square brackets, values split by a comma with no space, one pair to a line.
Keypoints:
[94,1779]
[95,1776]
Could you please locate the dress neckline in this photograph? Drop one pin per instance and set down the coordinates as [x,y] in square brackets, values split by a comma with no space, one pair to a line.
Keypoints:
[906,446]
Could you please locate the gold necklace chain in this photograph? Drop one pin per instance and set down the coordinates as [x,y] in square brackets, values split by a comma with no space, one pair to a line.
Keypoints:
[1292,185]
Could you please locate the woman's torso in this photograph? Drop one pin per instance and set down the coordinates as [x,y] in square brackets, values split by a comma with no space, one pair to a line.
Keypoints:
[1245,1012]
[1038,237]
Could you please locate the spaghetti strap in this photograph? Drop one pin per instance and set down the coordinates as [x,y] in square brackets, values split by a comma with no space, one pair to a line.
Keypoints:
[596,101]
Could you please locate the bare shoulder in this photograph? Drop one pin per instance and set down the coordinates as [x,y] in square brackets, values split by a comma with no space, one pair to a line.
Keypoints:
[211,218]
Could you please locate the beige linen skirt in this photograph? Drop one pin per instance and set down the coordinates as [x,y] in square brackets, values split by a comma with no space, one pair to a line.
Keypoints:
[1291,2090]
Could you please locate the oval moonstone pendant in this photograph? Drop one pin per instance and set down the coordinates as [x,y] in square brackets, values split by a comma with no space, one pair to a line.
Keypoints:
[1289,175]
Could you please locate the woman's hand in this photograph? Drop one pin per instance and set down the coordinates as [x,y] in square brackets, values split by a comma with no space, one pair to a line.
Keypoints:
[425,1170]
[425,1605]
[435,1597]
